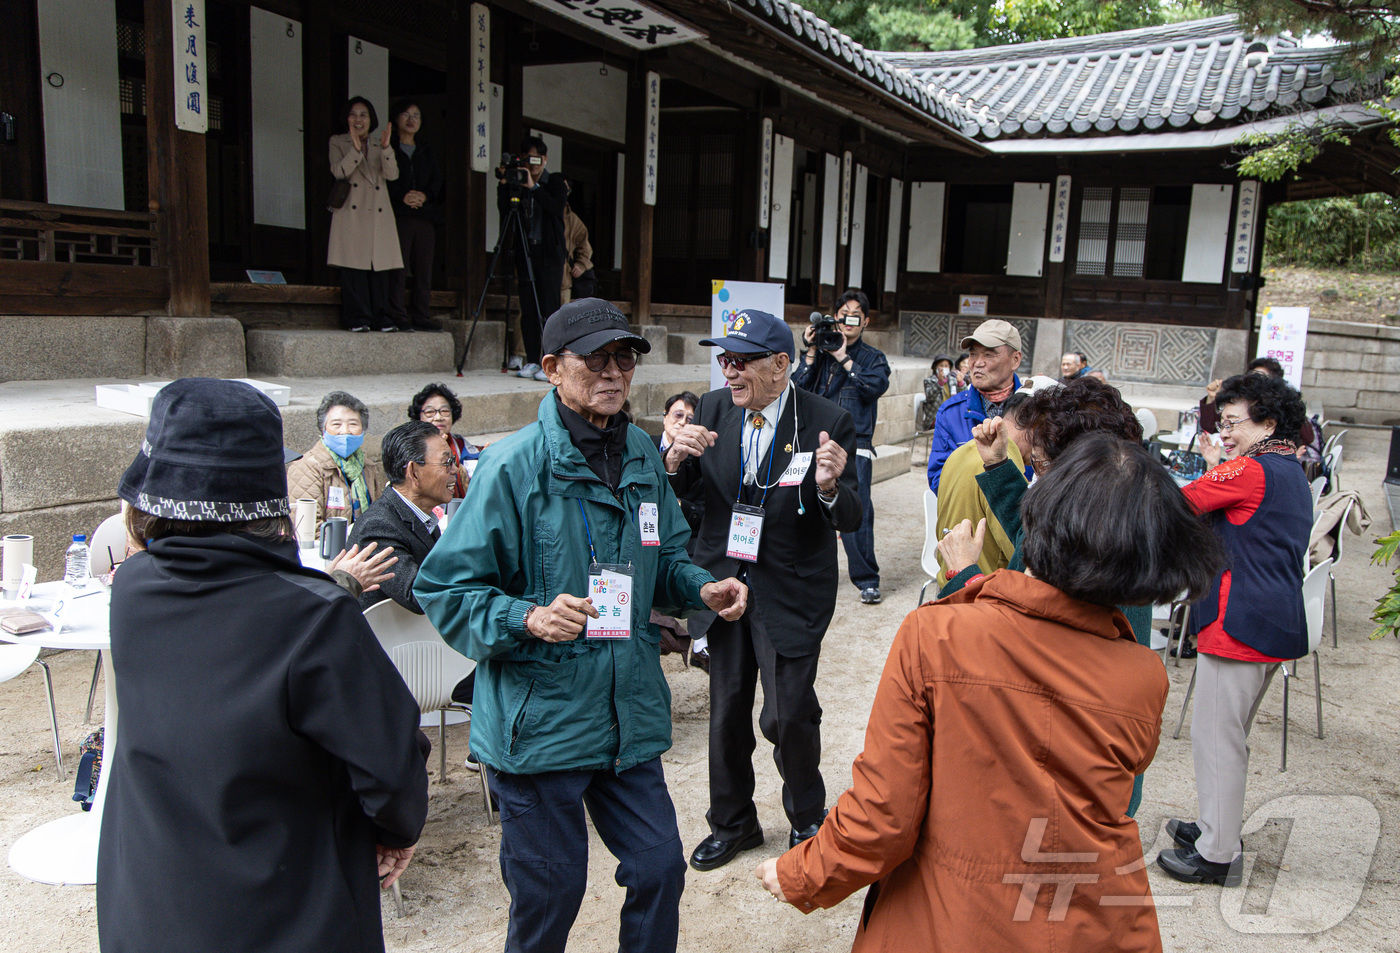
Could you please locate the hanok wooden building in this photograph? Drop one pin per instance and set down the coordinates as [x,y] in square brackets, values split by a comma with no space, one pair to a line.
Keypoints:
[1081,187]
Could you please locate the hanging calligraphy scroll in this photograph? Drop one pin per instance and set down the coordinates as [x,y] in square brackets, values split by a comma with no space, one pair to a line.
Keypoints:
[765,174]
[653,94]
[1246,214]
[481,87]
[1059,218]
[191,97]
[636,25]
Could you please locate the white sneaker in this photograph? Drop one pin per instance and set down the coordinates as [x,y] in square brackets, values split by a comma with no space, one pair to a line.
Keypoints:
[515,362]
[541,376]
[528,371]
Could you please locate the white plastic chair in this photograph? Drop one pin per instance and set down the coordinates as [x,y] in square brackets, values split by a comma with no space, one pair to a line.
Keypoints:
[1332,463]
[1149,423]
[1333,442]
[929,558]
[1313,597]
[1318,486]
[108,548]
[1175,616]
[15,659]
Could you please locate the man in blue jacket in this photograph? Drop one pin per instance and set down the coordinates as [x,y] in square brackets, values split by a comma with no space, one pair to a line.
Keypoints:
[547,576]
[995,353]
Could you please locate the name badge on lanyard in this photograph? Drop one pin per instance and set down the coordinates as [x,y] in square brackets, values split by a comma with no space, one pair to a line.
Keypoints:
[648,518]
[335,498]
[610,589]
[745,532]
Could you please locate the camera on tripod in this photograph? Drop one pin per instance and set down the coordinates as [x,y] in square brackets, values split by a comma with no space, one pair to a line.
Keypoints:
[826,332]
[514,171]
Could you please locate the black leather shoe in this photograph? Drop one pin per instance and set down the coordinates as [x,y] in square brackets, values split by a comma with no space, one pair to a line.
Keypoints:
[1187,648]
[1185,833]
[807,833]
[714,853]
[1186,865]
[700,660]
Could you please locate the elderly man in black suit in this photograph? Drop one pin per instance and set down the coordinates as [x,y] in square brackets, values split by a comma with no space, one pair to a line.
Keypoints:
[771,461]
[422,473]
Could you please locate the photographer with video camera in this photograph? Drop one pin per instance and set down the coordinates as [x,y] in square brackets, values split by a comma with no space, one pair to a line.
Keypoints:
[527,190]
[841,367]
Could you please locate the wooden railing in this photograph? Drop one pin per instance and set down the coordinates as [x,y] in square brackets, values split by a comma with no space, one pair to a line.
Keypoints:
[36,231]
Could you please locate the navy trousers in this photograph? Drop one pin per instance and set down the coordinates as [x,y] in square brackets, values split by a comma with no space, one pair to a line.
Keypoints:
[860,545]
[544,854]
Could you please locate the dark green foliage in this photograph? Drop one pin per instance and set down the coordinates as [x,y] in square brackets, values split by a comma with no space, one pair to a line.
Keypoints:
[1358,232]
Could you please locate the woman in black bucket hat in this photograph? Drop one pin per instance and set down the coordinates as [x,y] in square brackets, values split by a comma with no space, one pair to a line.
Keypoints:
[268,756]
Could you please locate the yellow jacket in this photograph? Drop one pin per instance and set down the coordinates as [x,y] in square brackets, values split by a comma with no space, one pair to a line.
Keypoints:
[960,498]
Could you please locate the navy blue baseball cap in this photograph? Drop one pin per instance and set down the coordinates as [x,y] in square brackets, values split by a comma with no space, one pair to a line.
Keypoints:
[755,332]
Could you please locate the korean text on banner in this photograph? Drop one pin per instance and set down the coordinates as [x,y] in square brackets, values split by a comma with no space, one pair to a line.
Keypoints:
[1283,335]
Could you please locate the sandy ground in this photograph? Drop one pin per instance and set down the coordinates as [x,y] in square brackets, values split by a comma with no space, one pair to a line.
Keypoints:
[1323,840]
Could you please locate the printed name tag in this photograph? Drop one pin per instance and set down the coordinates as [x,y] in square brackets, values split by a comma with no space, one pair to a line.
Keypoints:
[745,531]
[471,467]
[647,519]
[610,588]
[335,498]
[796,470]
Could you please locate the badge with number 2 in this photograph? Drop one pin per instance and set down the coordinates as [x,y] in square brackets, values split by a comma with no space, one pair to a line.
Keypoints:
[648,517]
[610,589]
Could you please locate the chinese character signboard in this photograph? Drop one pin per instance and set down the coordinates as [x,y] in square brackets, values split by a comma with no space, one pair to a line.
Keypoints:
[653,94]
[1283,335]
[636,25]
[765,174]
[1060,219]
[481,87]
[1246,214]
[191,97]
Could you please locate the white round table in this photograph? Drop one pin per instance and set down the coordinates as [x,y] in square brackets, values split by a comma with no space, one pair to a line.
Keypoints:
[65,851]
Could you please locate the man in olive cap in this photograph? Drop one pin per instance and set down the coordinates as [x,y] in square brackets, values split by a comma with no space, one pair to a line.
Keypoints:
[994,351]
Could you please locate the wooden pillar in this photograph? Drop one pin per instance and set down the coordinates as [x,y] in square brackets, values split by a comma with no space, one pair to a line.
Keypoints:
[324,81]
[22,172]
[175,164]
[637,215]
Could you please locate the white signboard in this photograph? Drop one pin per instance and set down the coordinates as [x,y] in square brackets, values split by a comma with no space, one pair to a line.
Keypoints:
[631,23]
[481,87]
[1283,335]
[1060,219]
[191,74]
[727,300]
[1246,214]
[765,174]
[972,304]
[653,94]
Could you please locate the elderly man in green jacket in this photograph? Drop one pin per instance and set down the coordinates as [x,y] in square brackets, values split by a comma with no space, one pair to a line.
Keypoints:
[547,576]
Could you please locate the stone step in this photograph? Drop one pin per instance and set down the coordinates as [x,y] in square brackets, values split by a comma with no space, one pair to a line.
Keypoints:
[891,460]
[283,353]
[687,349]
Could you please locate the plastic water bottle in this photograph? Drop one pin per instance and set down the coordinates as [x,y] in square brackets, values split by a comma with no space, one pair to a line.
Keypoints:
[76,567]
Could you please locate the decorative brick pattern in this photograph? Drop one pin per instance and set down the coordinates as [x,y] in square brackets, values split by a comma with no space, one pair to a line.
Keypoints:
[927,333]
[1144,352]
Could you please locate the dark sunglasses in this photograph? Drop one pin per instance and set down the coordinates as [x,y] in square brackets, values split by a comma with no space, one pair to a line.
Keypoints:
[739,363]
[626,359]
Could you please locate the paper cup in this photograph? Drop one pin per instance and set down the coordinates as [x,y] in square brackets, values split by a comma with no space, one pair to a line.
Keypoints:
[19,552]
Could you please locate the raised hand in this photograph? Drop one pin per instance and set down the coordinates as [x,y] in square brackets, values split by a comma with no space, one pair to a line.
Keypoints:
[384,139]
[831,463]
[961,545]
[692,440]
[990,437]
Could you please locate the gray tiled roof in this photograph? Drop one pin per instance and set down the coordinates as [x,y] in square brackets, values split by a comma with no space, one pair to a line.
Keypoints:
[1180,76]
[821,37]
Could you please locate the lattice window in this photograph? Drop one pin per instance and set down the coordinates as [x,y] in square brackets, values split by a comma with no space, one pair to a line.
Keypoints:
[1095,210]
[1131,232]
[216,114]
[131,39]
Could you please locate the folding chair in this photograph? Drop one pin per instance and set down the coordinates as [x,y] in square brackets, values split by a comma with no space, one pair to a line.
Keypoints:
[14,660]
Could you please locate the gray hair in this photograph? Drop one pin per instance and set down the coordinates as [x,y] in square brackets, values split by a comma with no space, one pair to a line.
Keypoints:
[339,398]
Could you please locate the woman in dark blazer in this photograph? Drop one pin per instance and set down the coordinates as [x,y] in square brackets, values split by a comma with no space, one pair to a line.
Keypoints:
[1252,620]
[417,198]
[268,760]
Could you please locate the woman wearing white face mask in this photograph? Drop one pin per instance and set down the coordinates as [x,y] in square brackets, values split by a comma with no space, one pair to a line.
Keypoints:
[336,472]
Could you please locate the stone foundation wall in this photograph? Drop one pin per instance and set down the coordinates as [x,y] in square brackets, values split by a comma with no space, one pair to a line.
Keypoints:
[1353,371]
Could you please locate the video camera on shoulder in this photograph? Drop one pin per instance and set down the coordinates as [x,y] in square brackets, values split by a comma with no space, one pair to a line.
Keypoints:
[826,332]
[515,170]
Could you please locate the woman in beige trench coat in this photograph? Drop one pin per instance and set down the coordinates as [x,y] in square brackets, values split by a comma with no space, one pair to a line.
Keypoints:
[364,241]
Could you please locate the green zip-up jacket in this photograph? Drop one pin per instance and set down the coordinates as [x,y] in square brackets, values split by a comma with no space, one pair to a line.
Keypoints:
[520,539]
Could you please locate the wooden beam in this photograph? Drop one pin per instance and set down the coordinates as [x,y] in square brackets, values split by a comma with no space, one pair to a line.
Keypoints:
[324,65]
[637,215]
[78,281]
[178,175]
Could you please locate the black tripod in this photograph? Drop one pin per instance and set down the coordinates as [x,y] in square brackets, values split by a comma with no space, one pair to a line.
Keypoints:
[513,231]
